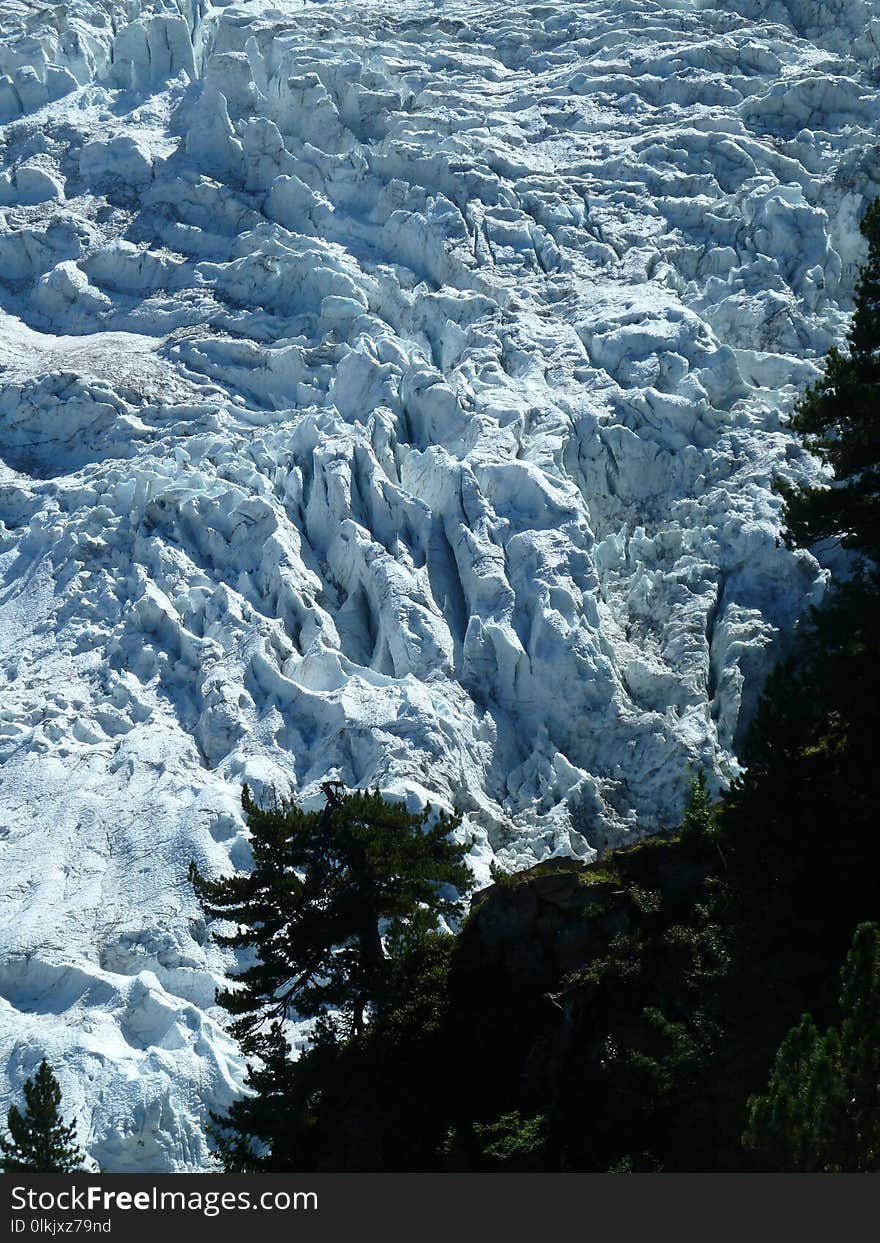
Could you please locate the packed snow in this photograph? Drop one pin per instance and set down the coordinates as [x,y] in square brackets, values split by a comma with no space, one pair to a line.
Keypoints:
[389,393]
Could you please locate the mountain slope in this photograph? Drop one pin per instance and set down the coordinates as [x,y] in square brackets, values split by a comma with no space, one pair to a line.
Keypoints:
[389,393]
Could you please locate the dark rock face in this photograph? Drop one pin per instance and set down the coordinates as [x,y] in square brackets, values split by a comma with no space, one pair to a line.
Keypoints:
[556,918]
[545,923]
[555,961]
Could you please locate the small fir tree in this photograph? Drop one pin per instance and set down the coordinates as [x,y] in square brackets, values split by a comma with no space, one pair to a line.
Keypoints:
[39,1140]
[700,823]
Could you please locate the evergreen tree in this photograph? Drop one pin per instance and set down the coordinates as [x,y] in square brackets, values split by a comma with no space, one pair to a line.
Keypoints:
[820,1113]
[331,894]
[39,1140]
[798,830]
[700,823]
[839,419]
[798,841]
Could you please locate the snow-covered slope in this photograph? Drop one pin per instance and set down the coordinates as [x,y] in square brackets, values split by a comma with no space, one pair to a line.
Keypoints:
[389,392]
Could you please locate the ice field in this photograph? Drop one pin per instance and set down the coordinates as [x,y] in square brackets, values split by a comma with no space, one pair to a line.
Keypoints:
[389,393]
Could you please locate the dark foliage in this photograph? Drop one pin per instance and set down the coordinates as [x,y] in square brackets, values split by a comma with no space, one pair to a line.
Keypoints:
[39,1140]
[337,907]
[820,1113]
[839,419]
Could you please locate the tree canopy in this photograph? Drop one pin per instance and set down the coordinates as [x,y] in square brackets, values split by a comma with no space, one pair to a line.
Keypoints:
[820,1112]
[312,910]
[339,901]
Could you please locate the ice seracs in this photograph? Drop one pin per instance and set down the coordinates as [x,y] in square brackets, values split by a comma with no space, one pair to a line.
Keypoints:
[390,394]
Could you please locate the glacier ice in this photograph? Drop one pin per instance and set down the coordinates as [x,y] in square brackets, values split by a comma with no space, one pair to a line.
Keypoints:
[393,394]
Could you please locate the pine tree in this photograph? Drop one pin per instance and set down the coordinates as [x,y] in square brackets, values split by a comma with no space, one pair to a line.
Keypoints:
[839,419]
[330,896]
[312,908]
[820,1112]
[39,1139]
[700,823]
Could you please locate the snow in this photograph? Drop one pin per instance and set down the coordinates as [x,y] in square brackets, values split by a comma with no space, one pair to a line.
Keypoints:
[390,393]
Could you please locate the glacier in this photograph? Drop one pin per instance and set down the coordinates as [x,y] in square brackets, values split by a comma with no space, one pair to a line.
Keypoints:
[388,393]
